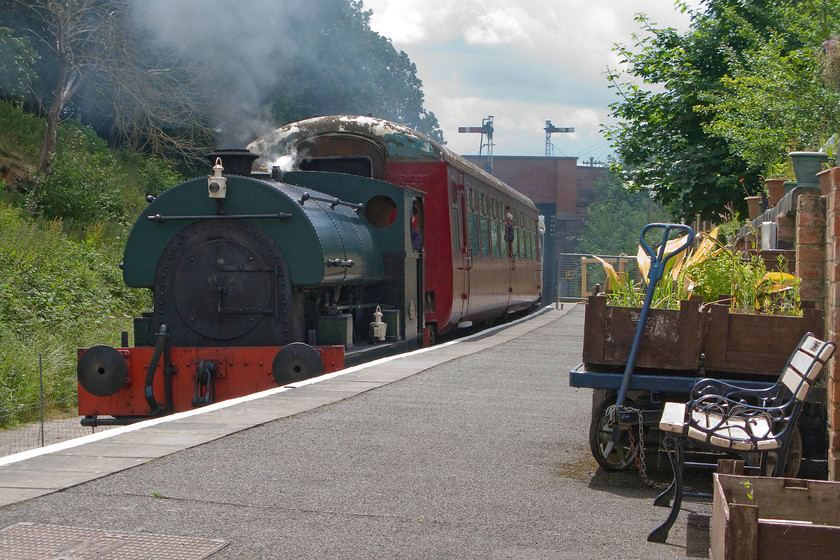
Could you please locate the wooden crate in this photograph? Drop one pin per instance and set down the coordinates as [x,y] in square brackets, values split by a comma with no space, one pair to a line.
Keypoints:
[731,344]
[759,518]
[753,344]
[671,339]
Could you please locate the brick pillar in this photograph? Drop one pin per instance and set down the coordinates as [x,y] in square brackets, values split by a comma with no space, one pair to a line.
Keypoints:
[811,248]
[832,264]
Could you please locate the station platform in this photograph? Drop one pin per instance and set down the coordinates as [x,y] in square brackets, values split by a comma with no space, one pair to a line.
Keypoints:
[477,448]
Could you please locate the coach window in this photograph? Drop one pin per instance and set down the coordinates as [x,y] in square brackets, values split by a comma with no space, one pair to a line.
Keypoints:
[485,239]
[529,248]
[456,230]
[494,230]
[510,234]
[526,234]
[533,245]
[497,231]
[475,240]
[532,248]
[517,237]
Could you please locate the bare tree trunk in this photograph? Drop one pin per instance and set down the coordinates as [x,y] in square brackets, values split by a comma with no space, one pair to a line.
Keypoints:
[64,89]
[48,143]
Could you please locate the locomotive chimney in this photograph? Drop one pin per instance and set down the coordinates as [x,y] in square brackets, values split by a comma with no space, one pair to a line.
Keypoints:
[235,161]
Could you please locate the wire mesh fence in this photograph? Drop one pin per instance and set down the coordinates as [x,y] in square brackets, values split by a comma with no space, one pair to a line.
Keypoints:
[579,274]
[55,422]
[55,429]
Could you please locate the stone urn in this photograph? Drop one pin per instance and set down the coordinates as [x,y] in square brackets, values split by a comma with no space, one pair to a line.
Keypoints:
[806,165]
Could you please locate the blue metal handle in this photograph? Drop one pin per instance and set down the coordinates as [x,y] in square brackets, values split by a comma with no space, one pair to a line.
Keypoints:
[658,261]
[657,269]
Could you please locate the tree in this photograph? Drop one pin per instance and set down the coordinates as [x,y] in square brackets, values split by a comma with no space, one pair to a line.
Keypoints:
[17,65]
[775,99]
[298,59]
[721,105]
[72,29]
[137,76]
[351,69]
[92,50]
[146,96]
[617,218]
[661,139]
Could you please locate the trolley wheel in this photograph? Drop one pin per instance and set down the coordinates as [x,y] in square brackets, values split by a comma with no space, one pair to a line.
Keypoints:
[621,455]
[794,458]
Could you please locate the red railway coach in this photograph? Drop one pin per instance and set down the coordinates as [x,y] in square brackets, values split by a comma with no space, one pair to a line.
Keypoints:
[479,236]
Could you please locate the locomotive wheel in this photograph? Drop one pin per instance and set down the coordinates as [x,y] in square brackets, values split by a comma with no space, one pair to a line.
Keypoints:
[295,362]
[620,456]
[102,371]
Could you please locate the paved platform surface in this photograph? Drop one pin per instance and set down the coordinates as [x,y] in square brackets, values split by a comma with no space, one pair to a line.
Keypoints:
[476,449]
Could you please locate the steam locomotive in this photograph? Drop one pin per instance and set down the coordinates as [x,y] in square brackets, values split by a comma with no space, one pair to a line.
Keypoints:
[327,242]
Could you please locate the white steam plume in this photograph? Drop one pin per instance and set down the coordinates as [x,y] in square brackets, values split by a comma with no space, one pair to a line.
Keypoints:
[236,49]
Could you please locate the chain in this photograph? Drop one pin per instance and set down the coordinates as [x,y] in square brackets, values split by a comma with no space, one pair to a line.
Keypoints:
[639,450]
[612,412]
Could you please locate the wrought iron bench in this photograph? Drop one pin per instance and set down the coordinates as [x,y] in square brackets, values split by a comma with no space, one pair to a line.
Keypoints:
[726,417]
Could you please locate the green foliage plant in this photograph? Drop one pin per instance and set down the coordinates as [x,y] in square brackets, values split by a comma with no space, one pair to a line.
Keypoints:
[783,108]
[717,273]
[60,284]
[20,134]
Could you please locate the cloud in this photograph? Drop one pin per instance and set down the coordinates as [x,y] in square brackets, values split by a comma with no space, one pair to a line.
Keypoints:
[524,63]
[499,27]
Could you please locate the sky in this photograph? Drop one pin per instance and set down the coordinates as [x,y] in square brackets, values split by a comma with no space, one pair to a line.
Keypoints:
[521,62]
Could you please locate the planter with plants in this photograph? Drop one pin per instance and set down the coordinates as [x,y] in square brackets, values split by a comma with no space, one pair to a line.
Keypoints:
[717,310]
[671,340]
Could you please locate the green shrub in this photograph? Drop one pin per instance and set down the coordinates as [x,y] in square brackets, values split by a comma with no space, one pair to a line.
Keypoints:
[83,185]
[56,295]
[60,284]
[728,274]
[20,133]
[144,175]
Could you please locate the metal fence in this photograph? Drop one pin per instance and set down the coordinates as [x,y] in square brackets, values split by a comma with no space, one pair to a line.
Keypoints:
[578,274]
[56,422]
[38,434]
